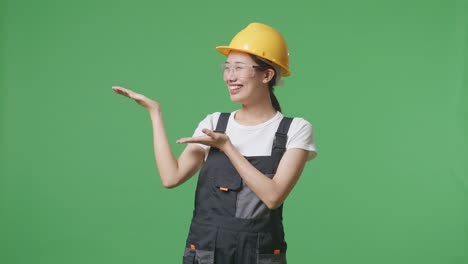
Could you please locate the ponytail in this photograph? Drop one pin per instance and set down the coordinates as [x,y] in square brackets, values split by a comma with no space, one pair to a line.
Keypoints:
[274,100]
[264,65]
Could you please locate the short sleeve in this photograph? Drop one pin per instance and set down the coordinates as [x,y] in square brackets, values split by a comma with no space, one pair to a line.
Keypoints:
[209,122]
[301,135]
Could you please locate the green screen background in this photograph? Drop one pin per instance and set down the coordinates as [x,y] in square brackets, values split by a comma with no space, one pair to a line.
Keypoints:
[384,84]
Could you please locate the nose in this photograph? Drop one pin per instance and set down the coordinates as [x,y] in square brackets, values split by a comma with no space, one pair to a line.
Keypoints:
[229,75]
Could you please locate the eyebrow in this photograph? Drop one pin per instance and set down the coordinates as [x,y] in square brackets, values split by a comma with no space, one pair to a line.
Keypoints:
[235,62]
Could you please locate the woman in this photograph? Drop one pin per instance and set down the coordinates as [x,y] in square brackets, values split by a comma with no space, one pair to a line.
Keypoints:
[250,159]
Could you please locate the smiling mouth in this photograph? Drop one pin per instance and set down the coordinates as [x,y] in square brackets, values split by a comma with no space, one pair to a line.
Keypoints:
[234,87]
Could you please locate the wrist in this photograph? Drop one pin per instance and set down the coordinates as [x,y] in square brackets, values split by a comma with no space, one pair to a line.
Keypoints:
[154,111]
[228,147]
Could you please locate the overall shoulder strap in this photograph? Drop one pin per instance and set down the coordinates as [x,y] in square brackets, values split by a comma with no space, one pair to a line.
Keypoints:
[220,128]
[281,138]
[222,122]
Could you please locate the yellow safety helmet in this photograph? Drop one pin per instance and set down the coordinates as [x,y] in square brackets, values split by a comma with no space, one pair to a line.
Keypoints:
[263,41]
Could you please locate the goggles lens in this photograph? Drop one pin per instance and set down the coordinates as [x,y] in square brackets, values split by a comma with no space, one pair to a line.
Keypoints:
[240,70]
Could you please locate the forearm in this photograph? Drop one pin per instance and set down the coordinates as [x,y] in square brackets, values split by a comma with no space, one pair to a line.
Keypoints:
[272,191]
[165,161]
[172,172]
[264,187]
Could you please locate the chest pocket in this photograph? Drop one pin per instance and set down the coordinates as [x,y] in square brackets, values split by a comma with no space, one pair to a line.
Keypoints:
[226,185]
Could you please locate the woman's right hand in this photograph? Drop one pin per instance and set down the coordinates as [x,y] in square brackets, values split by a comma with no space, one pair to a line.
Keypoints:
[142,100]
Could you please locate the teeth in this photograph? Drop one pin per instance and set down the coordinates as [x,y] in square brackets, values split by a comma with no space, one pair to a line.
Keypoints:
[235,87]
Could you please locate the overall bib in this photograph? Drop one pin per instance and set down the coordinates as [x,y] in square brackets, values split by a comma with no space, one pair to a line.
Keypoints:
[230,224]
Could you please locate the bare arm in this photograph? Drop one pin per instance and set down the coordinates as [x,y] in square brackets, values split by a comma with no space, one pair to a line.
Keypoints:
[272,191]
[173,172]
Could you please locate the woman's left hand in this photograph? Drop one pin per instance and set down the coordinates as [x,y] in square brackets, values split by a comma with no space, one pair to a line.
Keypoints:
[212,139]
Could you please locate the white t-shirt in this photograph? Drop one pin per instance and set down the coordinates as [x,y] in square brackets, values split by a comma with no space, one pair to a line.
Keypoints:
[257,140]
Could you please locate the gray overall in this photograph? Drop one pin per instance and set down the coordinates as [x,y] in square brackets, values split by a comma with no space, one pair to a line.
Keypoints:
[230,224]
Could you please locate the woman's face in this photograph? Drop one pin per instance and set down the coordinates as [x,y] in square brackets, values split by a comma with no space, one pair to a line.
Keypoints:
[245,83]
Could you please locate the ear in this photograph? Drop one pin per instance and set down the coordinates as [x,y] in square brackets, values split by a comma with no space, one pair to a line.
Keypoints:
[268,75]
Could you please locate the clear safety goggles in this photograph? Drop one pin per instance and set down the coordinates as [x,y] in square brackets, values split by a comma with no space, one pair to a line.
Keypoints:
[239,69]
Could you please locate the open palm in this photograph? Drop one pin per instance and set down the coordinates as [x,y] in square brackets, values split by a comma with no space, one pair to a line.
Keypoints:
[142,100]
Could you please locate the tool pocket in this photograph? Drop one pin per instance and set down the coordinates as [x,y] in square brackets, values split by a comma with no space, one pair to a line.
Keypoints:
[271,259]
[195,256]
[200,246]
[272,248]
[227,184]
[189,256]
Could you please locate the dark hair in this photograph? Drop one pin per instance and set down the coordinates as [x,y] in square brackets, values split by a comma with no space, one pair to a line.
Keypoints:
[263,65]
